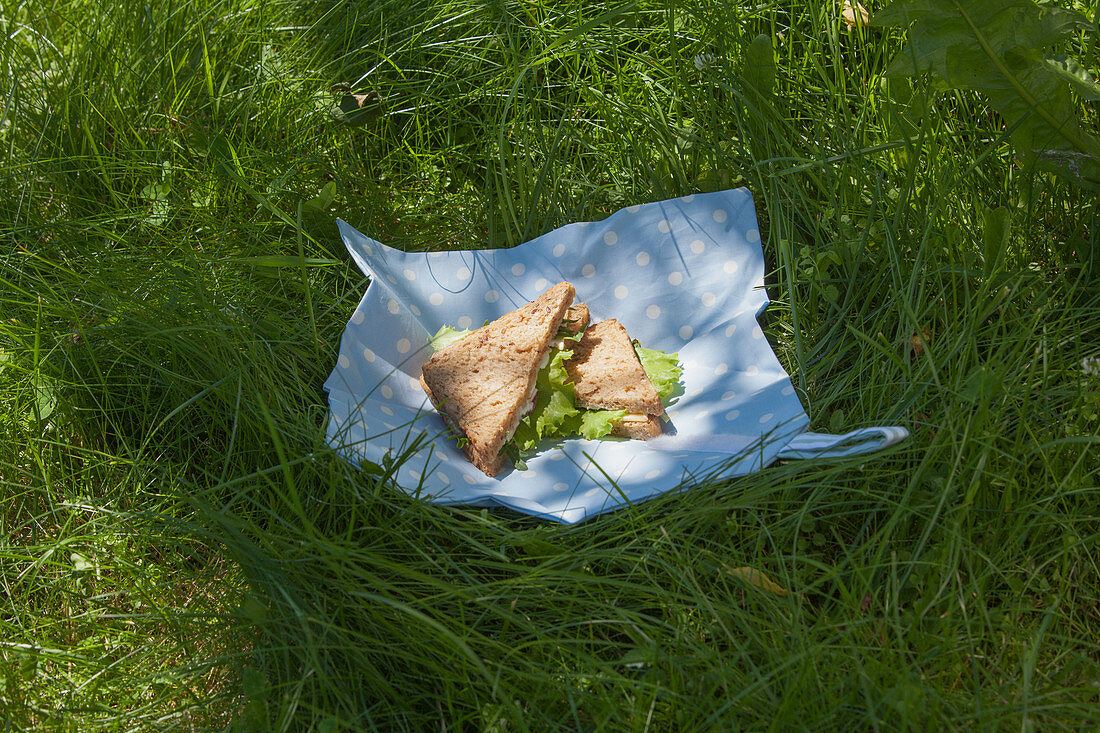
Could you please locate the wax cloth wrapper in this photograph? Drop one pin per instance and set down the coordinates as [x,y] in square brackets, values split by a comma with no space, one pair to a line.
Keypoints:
[684,275]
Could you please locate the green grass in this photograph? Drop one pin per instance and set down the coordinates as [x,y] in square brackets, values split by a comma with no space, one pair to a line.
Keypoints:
[179,549]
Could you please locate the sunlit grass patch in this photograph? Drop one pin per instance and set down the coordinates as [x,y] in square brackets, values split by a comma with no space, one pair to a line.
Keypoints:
[179,548]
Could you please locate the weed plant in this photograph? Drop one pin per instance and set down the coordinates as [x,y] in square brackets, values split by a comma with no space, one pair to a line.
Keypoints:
[180,550]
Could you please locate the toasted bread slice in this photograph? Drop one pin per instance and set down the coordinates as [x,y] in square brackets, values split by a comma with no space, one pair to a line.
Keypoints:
[606,372]
[607,375]
[485,383]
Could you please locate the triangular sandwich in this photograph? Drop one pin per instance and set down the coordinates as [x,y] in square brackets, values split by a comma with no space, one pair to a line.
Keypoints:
[607,375]
[485,383]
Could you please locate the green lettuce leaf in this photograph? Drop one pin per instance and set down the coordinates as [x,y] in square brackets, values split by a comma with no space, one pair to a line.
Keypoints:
[555,413]
[515,455]
[598,423]
[565,333]
[662,368]
[446,336]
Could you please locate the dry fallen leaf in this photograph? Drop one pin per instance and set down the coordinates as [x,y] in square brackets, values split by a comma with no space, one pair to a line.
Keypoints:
[854,13]
[752,576]
[917,342]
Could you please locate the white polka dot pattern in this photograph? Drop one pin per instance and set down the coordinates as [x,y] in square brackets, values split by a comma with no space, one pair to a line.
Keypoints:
[682,275]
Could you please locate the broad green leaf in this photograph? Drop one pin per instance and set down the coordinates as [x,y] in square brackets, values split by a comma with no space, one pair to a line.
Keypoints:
[760,65]
[1000,48]
[904,12]
[203,195]
[322,200]
[253,683]
[157,191]
[158,194]
[45,399]
[981,386]
[1078,77]
[639,656]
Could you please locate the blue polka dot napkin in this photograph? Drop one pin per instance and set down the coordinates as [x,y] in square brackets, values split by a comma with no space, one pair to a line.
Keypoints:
[683,275]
